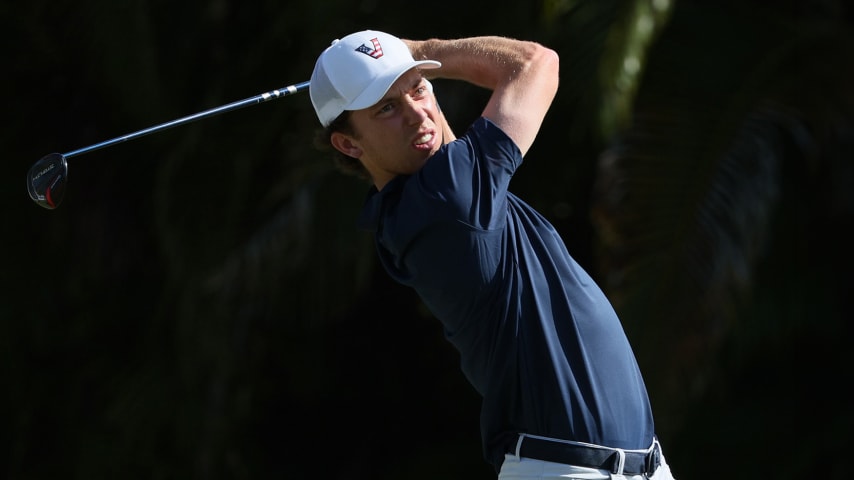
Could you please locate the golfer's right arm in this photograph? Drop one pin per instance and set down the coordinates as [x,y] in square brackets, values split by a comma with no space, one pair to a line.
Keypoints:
[522,75]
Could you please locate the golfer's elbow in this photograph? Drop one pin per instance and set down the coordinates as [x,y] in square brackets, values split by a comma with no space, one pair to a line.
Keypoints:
[544,68]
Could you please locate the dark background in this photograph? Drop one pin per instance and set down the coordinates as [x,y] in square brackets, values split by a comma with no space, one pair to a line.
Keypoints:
[202,305]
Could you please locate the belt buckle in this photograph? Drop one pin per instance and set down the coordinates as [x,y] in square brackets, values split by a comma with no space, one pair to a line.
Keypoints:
[653,460]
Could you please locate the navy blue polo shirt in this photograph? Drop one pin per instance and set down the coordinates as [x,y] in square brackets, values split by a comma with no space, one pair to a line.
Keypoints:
[537,337]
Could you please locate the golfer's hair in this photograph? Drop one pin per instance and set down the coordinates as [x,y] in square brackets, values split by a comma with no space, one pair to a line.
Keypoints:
[344,163]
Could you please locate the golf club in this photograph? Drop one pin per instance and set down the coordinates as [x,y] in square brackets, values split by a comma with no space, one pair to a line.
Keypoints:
[47,178]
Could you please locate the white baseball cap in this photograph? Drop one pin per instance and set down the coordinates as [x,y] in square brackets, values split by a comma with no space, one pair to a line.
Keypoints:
[356,71]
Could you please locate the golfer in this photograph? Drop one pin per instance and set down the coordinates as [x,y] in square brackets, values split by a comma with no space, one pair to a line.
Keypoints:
[562,393]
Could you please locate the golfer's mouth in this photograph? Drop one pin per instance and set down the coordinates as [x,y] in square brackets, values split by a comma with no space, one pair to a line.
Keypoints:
[425,141]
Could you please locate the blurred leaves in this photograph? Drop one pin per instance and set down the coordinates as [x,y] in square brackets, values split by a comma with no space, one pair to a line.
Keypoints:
[717,197]
[621,69]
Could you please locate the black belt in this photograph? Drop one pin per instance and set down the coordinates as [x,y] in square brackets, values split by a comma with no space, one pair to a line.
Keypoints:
[636,463]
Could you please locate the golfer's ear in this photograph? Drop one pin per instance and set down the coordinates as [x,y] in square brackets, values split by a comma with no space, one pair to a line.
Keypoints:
[344,144]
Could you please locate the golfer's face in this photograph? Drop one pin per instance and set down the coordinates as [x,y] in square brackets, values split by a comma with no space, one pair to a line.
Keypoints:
[399,133]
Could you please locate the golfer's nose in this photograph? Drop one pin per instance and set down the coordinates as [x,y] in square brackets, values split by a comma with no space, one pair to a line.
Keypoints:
[414,111]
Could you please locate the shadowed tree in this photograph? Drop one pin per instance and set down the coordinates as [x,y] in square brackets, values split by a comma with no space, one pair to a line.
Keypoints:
[725,211]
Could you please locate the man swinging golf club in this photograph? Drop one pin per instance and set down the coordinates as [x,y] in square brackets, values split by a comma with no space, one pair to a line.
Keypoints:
[563,396]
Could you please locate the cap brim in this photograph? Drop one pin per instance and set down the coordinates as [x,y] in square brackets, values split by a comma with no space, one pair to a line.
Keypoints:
[378,88]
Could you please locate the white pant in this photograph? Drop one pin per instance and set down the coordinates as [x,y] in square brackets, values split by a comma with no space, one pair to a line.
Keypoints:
[521,468]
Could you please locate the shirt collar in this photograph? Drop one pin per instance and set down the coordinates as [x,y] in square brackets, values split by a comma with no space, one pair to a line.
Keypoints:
[369,219]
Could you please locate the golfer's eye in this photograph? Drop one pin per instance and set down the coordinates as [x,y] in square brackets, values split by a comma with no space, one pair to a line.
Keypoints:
[387,107]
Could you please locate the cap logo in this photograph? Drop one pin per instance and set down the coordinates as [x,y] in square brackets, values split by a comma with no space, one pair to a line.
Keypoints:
[375,52]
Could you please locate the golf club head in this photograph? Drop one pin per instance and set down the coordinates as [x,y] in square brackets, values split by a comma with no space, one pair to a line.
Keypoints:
[46,180]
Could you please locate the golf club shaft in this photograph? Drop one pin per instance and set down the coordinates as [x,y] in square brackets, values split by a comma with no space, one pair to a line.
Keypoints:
[263,97]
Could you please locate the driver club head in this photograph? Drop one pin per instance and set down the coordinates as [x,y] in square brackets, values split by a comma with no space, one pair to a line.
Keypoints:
[46,180]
